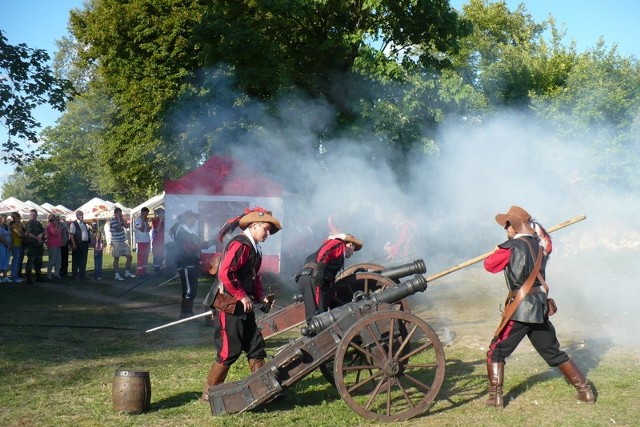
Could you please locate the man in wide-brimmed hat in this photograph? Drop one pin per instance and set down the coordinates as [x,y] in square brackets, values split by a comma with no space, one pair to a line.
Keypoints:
[526,313]
[318,275]
[240,285]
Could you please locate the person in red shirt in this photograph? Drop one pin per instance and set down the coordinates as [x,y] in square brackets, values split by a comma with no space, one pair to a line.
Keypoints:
[238,277]
[402,246]
[515,257]
[318,275]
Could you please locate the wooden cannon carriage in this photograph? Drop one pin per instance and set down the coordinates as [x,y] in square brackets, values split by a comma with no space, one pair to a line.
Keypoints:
[388,364]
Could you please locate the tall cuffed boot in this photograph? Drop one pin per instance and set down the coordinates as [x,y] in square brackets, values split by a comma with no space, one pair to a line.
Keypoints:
[217,375]
[495,372]
[577,379]
[255,364]
[186,308]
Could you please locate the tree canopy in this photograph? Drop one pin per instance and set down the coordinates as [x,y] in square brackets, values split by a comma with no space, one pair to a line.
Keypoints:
[26,82]
[164,84]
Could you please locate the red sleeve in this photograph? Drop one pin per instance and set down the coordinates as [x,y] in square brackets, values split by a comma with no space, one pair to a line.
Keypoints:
[403,237]
[330,250]
[498,260]
[236,256]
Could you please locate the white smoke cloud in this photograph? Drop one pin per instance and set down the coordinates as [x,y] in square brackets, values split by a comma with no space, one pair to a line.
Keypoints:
[480,170]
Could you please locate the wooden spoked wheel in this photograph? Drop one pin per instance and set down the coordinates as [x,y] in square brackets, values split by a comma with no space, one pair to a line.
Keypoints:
[362,267]
[366,283]
[389,366]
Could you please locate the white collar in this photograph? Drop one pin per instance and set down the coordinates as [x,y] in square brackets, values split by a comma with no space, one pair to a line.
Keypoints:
[255,244]
[187,228]
[522,235]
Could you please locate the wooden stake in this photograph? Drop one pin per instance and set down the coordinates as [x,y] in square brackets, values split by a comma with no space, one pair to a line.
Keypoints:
[483,256]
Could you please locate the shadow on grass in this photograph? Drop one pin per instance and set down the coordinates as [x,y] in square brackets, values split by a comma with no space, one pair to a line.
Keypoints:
[460,386]
[313,390]
[176,401]
[586,354]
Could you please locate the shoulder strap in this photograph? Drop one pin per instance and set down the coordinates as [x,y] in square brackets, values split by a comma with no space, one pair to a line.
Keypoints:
[522,292]
[540,278]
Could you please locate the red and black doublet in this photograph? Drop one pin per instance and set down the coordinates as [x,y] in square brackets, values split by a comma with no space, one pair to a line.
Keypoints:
[238,276]
[317,277]
[515,259]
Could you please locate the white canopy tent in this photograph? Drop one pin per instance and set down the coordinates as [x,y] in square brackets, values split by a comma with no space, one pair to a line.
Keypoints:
[94,209]
[58,210]
[23,208]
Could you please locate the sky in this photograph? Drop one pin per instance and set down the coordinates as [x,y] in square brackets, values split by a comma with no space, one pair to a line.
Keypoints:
[39,23]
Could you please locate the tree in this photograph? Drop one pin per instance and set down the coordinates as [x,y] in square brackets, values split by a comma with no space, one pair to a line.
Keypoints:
[507,57]
[73,168]
[26,82]
[376,63]
[141,54]
[17,185]
[599,106]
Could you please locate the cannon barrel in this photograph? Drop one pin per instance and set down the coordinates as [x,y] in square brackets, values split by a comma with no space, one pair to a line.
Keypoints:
[416,267]
[392,295]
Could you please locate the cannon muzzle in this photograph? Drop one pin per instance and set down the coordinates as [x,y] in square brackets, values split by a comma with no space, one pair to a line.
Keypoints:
[392,295]
[416,267]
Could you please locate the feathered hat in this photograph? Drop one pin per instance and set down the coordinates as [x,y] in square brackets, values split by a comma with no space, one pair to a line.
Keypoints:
[250,216]
[349,238]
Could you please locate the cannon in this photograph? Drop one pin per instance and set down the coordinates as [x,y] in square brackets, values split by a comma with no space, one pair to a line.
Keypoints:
[364,277]
[388,363]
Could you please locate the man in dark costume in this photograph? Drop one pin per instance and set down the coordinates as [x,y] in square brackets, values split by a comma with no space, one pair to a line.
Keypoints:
[188,246]
[318,275]
[518,258]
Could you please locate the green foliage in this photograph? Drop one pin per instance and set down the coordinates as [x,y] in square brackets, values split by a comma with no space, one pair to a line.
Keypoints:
[164,84]
[27,82]
[376,63]
[141,54]
[506,56]
[17,185]
[74,162]
[599,105]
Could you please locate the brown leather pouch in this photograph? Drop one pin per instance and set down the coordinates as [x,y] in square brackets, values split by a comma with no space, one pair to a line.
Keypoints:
[226,303]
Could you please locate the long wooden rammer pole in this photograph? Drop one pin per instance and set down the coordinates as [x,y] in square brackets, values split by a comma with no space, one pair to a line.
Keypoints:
[483,256]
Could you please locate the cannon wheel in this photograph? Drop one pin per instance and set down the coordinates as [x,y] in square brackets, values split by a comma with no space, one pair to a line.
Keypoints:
[366,266]
[367,283]
[397,375]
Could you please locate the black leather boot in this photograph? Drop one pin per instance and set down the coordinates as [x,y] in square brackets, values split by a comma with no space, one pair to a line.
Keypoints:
[186,308]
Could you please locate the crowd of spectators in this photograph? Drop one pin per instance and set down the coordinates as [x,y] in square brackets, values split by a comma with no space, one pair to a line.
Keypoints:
[31,239]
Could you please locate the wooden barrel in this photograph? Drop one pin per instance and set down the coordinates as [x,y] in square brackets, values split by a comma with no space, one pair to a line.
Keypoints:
[131,391]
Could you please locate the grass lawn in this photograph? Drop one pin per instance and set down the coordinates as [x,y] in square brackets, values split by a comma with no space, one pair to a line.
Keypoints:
[61,342]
